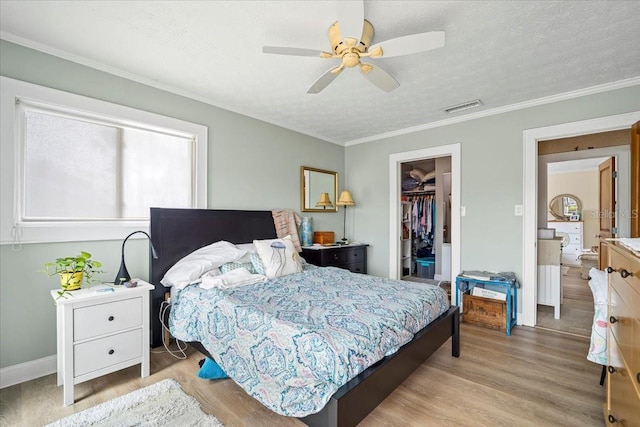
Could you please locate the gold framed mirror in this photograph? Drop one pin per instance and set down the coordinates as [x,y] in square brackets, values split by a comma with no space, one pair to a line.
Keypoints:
[566,207]
[318,190]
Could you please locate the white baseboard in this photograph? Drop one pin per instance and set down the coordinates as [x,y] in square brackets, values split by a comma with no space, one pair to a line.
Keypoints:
[26,371]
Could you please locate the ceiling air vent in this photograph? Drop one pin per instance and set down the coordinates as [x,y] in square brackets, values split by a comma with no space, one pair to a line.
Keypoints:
[464,106]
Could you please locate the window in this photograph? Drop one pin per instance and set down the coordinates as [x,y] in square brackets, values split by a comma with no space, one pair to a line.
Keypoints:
[89,170]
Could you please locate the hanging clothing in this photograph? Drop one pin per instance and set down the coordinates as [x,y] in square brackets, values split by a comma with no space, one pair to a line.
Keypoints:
[423,217]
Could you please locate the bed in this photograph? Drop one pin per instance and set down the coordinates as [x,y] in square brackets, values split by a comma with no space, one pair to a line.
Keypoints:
[178,232]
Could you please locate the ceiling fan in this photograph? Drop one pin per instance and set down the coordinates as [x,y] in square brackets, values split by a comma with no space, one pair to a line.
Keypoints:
[350,38]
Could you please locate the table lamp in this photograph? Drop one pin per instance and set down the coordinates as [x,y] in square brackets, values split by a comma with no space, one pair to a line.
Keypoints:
[345,200]
[123,274]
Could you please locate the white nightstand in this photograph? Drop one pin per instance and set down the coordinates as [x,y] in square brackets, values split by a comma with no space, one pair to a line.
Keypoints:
[101,332]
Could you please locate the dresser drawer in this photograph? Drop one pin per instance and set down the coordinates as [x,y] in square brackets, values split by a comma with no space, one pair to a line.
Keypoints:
[356,267]
[624,399]
[631,269]
[621,321]
[355,255]
[101,319]
[566,227]
[334,257]
[104,352]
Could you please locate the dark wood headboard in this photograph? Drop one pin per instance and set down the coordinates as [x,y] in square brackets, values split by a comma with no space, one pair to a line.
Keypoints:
[176,233]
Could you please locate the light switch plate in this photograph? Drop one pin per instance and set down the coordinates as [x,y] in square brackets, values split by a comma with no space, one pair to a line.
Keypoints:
[518,210]
[463,210]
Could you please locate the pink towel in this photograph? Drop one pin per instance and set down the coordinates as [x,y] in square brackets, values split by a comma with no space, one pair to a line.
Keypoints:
[287,223]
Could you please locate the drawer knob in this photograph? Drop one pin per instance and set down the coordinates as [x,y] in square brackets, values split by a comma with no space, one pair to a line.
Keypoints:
[612,419]
[638,377]
[611,269]
[112,351]
[613,319]
[111,318]
[624,273]
[611,369]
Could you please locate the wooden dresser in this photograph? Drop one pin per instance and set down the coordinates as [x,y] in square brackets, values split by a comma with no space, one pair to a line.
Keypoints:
[623,385]
[352,257]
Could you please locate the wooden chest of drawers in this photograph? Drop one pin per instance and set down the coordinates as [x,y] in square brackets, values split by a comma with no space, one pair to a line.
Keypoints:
[350,257]
[623,342]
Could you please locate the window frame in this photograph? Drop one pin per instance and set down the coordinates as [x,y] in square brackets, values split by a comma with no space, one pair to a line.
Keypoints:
[15,231]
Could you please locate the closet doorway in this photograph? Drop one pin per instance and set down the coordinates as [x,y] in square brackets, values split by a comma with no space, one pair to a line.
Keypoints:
[404,244]
[426,220]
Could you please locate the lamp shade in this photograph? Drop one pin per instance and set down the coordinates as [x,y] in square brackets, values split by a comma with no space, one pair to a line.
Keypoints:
[345,199]
[324,201]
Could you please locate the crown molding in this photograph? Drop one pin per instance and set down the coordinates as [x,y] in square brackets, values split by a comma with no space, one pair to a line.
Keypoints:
[10,37]
[620,84]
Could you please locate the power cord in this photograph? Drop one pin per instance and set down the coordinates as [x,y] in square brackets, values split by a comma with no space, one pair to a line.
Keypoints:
[180,352]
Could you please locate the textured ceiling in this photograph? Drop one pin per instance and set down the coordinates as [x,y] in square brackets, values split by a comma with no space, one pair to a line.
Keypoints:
[504,52]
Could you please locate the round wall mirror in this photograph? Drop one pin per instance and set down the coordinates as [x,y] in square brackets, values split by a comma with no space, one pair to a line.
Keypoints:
[565,207]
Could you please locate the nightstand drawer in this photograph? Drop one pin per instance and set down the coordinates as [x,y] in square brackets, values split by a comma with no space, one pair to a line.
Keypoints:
[355,255]
[101,353]
[334,257]
[356,267]
[100,319]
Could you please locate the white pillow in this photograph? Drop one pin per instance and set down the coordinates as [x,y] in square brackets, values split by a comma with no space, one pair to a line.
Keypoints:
[279,257]
[250,248]
[201,261]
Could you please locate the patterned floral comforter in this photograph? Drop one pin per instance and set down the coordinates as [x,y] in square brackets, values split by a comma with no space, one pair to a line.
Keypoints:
[291,342]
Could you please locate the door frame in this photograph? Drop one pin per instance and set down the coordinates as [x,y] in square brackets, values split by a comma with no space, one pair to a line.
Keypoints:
[530,181]
[395,177]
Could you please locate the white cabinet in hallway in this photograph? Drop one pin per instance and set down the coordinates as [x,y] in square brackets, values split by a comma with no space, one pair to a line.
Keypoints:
[571,233]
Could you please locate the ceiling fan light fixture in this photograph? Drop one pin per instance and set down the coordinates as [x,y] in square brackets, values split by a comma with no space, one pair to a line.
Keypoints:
[464,106]
[350,38]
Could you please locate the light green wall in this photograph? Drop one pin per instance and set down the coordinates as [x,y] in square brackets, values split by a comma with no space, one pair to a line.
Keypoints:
[255,165]
[251,165]
[491,178]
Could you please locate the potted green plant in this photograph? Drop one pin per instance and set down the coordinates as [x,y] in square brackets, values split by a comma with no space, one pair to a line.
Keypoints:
[73,271]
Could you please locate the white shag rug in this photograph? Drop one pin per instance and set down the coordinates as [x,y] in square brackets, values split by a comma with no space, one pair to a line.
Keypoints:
[161,404]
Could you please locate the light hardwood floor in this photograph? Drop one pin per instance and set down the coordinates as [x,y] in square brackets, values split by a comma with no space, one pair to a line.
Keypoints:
[576,311]
[533,378]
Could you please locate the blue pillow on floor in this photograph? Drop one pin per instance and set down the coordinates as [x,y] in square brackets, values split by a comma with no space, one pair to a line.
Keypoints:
[210,370]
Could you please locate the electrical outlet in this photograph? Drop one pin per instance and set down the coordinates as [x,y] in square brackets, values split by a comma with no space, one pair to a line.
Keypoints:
[518,210]
[463,210]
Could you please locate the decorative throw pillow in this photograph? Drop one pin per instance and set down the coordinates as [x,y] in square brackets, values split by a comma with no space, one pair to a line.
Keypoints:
[235,265]
[210,370]
[256,262]
[279,257]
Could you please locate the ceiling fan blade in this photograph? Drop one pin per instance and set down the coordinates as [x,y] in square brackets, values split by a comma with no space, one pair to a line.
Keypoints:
[296,51]
[351,19]
[380,78]
[325,79]
[413,43]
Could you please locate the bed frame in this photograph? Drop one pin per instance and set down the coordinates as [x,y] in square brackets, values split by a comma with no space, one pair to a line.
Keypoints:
[178,232]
